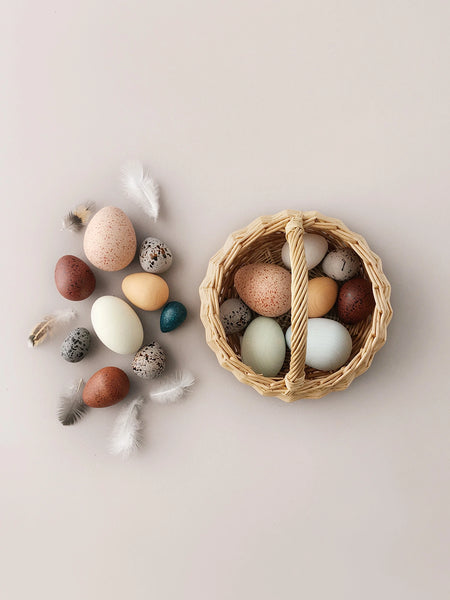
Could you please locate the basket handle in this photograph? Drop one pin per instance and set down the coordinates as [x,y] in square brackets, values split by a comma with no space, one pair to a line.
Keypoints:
[299,304]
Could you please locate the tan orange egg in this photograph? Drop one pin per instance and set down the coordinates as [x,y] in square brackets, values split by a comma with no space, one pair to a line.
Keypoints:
[146,290]
[322,294]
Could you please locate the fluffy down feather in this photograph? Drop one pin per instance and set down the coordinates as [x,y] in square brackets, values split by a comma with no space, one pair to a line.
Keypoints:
[78,217]
[49,324]
[172,388]
[71,407]
[140,187]
[127,432]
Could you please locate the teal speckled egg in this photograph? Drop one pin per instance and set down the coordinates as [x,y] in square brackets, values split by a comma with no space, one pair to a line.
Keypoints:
[172,316]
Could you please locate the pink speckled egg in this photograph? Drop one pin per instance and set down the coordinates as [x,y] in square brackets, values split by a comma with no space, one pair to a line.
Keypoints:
[110,240]
[265,288]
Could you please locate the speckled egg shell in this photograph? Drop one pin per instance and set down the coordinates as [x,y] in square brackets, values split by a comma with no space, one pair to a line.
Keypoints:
[106,387]
[76,345]
[110,240]
[150,361]
[355,300]
[155,256]
[341,264]
[73,278]
[265,288]
[172,316]
[234,315]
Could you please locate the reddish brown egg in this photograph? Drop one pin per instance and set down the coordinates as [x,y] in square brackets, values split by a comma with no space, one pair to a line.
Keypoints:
[106,387]
[74,278]
[355,300]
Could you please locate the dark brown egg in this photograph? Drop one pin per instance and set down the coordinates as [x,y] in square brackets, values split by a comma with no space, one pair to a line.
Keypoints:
[74,278]
[355,300]
[106,387]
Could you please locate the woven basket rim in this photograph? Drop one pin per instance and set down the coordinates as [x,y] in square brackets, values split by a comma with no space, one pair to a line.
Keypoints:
[293,223]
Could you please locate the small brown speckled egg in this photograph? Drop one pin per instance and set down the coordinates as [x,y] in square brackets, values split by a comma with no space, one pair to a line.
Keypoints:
[265,288]
[73,278]
[355,300]
[110,240]
[106,387]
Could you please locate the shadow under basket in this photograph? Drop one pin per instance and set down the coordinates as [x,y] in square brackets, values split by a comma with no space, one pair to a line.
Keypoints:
[262,241]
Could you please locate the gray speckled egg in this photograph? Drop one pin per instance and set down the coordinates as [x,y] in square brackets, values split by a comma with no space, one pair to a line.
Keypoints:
[76,345]
[341,264]
[235,315]
[150,361]
[155,256]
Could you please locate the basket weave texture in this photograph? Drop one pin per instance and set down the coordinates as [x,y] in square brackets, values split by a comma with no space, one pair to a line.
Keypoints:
[261,241]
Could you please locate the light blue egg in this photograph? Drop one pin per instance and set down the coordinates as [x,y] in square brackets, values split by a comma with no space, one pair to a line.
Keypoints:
[328,344]
[288,336]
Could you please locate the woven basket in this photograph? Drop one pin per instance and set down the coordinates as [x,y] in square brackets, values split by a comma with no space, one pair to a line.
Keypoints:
[262,241]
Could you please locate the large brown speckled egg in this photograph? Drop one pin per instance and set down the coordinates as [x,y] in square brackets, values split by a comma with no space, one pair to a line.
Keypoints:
[355,300]
[265,288]
[74,278]
[106,387]
[110,240]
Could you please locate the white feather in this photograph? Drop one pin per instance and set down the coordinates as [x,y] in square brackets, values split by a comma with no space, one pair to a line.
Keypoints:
[71,407]
[140,187]
[49,324]
[171,389]
[127,432]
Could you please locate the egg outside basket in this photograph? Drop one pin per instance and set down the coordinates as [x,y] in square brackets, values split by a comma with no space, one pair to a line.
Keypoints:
[261,241]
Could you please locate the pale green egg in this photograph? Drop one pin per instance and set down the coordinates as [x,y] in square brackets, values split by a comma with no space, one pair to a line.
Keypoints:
[263,347]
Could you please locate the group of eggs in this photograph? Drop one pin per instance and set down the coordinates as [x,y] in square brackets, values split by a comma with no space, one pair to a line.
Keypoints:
[110,245]
[265,289]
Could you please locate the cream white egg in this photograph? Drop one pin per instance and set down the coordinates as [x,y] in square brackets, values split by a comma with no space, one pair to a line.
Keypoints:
[315,245]
[117,325]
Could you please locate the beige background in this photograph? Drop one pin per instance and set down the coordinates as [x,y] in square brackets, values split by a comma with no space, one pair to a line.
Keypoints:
[239,108]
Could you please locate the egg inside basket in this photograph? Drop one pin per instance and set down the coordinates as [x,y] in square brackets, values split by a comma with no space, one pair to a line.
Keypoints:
[262,241]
